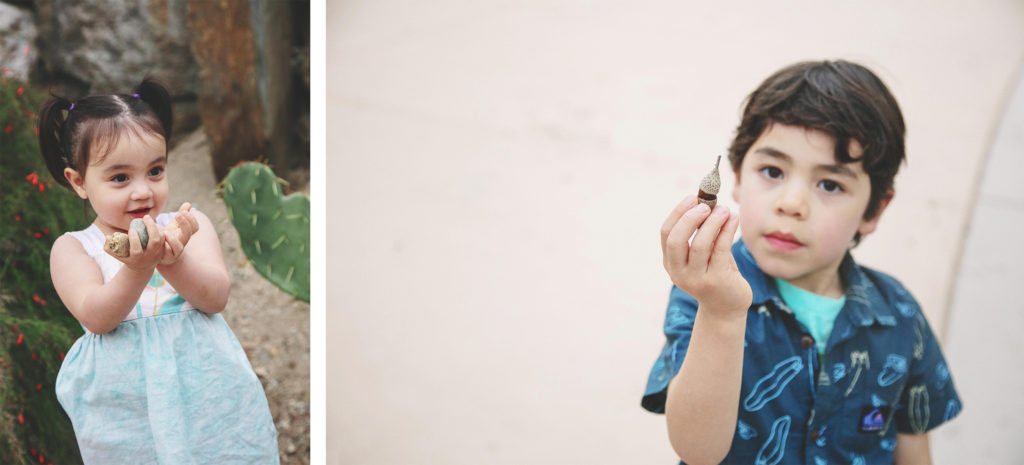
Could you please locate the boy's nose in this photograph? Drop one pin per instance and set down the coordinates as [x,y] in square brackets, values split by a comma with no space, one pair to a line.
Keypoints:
[792,201]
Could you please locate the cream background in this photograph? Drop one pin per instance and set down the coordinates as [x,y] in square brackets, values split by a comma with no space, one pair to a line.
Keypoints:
[497,173]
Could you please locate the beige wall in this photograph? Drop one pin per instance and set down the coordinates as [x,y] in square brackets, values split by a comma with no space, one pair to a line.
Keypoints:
[497,173]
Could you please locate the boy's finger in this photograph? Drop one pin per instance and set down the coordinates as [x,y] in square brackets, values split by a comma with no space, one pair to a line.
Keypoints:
[704,240]
[679,238]
[722,256]
[673,218]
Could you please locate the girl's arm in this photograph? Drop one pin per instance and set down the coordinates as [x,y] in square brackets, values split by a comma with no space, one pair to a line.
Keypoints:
[78,280]
[199,273]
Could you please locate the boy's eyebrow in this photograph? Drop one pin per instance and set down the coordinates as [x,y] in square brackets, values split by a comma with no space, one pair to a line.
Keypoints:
[837,169]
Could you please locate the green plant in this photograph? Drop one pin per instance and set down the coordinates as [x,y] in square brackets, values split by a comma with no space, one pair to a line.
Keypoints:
[35,328]
[272,228]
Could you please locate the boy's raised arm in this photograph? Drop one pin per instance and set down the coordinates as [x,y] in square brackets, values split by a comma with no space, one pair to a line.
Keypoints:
[702,399]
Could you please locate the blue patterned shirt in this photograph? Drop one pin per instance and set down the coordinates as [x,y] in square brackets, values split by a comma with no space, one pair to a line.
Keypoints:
[882,373]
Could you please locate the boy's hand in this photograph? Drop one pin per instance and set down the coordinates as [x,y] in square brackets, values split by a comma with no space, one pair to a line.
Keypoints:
[177,233]
[704,268]
[139,259]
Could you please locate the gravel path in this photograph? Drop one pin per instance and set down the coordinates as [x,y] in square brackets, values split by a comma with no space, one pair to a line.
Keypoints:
[272,327]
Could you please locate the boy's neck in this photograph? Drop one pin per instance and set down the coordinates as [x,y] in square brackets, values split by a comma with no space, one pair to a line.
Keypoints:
[830,286]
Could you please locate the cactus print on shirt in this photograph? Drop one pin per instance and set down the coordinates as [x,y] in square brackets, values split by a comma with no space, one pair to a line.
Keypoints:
[882,373]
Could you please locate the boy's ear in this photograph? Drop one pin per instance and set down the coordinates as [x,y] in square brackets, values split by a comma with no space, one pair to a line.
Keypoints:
[77,182]
[867,226]
[736,187]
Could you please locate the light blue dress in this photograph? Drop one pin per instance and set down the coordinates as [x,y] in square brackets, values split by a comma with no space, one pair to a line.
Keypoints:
[170,385]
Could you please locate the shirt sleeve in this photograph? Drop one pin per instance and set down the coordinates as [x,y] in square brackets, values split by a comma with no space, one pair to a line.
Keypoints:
[682,309]
[929,398]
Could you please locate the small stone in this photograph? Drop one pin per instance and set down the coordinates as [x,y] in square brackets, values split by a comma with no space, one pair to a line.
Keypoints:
[117,244]
[140,227]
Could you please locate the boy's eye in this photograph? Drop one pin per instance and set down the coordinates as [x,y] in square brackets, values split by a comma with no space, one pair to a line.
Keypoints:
[771,172]
[119,178]
[830,186]
[156,171]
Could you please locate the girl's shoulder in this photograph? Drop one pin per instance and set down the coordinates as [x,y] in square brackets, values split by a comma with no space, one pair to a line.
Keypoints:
[90,238]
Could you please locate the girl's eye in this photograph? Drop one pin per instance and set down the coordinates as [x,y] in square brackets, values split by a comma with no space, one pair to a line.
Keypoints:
[830,186]
[156,171]
[119,178]
[771,172]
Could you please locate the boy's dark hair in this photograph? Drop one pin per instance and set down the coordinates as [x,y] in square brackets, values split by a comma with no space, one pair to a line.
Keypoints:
[69,130]
[843,99]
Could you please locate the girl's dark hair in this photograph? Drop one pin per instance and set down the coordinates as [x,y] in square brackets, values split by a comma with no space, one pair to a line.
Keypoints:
[69,131]
[843,99]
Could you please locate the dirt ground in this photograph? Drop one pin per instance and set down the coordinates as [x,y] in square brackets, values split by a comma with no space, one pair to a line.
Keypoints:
[272,326]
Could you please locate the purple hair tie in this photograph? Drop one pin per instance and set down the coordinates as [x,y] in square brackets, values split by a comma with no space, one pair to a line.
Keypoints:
[72,107]
[135,95]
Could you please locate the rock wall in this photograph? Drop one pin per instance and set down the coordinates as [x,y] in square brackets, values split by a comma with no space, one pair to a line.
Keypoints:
[110,46]
[17,41]
[230,64]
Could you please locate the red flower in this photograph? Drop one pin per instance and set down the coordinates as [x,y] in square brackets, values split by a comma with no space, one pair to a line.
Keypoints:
[7,130]
[21,337]
[36,130]
[34,355]
[32,177]
[41,187]
[21,419]
[17,217]
[38,236]
[46,231]
[61,354]
[21,90]
[35,298]
[39,386]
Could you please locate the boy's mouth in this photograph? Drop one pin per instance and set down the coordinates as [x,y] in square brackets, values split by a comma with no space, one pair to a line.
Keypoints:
[138,213]
[783,241]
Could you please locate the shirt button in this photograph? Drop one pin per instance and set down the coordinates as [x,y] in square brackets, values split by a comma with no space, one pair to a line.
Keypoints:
[806,342]
[814,435]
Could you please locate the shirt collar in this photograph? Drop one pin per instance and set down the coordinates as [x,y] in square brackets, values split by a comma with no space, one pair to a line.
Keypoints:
[865,304]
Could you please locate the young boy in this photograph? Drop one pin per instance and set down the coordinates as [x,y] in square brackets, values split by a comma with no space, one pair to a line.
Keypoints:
[782,350]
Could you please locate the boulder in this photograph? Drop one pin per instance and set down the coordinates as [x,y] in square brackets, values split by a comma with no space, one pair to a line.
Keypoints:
[17,41]
[108,47]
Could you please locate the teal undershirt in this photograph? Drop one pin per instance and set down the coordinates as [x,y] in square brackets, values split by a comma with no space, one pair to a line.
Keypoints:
[816,312]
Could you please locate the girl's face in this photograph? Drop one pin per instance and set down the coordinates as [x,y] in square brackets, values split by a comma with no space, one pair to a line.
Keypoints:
[130,182]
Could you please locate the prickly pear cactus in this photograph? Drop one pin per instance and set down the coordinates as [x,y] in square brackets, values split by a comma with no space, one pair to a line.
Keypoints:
[273,229]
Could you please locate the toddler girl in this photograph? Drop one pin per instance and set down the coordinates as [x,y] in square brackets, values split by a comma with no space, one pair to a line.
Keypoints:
[158,377]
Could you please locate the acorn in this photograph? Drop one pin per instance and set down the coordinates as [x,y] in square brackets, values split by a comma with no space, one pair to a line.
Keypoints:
[117,243]
[707,194]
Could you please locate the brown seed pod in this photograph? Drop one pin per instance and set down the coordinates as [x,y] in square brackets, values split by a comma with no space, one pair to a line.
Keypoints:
[707,194]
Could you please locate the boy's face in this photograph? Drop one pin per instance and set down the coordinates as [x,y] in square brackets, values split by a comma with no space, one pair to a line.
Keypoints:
[799,208]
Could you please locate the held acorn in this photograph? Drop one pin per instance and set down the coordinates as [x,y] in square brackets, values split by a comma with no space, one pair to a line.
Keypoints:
[117,243]
[707,194]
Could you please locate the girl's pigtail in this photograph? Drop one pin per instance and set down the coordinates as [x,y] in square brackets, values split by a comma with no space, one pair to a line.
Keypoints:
[52,134]
[159,100]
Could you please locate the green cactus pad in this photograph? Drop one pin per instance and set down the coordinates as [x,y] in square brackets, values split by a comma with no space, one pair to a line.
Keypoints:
[273,229]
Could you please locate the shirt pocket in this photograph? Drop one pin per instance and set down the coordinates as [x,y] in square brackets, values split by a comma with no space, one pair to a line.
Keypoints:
[869,420]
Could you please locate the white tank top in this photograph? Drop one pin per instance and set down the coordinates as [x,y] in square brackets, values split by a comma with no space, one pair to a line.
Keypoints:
[158,298]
